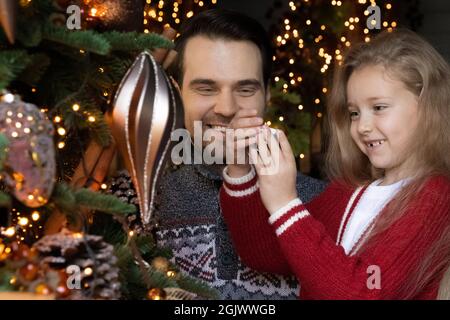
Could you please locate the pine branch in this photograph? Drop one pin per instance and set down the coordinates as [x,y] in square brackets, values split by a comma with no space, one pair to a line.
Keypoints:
[3,149]
[133,41]
[5,277]
[29,32]
[116,67]
[159,279]
[5,199]
[99,128]
[71,200]
[86,39]
[35,69]
[145,244]
[197,286]
[278,94]
[12,62]
[41,8]
[102,202]
[63,198]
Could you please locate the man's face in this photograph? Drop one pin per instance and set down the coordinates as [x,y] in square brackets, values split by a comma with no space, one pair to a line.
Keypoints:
[220,77]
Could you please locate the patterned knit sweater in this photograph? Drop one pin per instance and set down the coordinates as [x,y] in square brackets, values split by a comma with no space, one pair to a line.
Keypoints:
[304,239]
[191,224]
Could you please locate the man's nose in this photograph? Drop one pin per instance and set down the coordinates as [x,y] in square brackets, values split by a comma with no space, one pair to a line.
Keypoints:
[226,104]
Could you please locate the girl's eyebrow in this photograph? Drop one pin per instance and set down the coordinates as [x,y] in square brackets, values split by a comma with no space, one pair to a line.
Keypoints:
[377,98]
[371,99]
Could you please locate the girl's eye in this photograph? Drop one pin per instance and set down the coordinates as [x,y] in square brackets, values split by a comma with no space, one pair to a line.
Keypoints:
[379,108]
[353,114]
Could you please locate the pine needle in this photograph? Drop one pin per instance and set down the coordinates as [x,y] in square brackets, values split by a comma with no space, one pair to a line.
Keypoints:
[86,39]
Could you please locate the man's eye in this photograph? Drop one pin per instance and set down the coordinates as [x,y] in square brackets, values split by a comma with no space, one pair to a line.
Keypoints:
[246,91]
[205,90]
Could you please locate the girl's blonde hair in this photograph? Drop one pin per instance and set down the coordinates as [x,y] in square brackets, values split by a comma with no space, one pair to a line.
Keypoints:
[410,59]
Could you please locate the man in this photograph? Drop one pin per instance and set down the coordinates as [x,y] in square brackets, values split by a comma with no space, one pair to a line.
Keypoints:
[223,70]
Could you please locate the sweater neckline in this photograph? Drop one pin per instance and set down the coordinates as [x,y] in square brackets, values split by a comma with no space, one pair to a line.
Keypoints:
[351,208]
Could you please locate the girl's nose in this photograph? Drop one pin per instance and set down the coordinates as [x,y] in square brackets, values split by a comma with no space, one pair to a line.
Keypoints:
[365,125]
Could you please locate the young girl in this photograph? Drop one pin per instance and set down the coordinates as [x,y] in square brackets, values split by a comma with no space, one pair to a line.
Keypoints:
[381,229]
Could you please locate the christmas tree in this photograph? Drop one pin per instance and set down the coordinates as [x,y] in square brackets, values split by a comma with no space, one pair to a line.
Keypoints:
[61,238]
[310,37]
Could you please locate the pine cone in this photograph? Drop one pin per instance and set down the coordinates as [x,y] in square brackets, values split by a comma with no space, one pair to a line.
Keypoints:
[122,187]
[95,258]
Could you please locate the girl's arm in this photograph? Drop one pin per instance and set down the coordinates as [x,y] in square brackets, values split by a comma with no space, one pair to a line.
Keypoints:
[293,241]
[242,208]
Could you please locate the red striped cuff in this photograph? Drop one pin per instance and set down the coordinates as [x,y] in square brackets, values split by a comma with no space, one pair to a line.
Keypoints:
[242,183]
[288,215]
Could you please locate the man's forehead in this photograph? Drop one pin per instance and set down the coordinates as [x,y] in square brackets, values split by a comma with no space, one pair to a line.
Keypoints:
[222,59]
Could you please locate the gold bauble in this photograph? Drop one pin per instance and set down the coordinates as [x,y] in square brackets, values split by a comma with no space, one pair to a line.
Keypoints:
[156,294]
[161,264]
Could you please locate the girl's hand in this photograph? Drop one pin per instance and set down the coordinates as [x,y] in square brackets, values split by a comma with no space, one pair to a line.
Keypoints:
[275,165]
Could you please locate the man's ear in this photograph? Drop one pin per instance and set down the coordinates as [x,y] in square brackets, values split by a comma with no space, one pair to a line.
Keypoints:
[175,84]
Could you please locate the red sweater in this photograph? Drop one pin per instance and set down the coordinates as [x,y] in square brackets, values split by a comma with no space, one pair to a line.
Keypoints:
[304,240]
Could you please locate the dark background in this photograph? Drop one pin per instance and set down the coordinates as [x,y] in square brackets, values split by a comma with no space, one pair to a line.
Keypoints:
[435,23]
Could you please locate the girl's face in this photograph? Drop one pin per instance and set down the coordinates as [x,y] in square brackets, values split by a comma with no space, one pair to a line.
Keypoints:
[384,116]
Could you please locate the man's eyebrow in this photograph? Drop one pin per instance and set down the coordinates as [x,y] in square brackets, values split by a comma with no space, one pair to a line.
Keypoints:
[202,81]
[249,82]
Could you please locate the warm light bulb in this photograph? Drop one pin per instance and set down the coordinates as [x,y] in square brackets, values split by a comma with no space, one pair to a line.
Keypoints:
[23,221]
[61,131]
[35,216]
[9,232]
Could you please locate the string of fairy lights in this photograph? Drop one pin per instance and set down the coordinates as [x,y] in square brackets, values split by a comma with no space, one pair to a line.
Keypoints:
[25,222]
[159,13]
[355,29]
